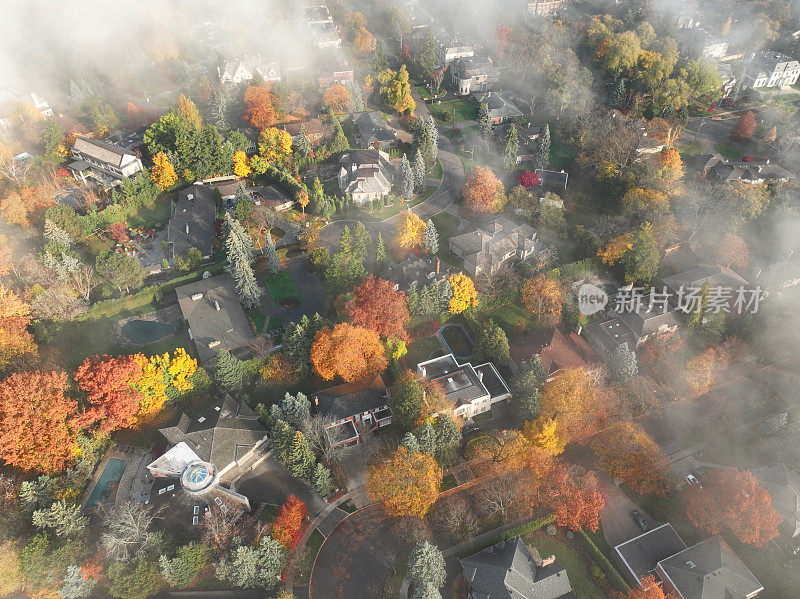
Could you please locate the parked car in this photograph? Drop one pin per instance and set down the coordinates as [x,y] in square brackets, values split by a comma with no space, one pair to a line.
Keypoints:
[692,480]
[229,203]
[637,516]
[747,159]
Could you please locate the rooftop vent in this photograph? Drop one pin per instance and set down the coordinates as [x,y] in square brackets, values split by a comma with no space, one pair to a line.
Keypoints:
[197,296]
[187,228]
[201,419]
[690,563]
[216,305]
[190,196]
[213,344]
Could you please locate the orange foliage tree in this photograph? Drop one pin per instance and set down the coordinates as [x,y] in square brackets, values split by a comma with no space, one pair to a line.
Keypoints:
[464,294]
[615,249]
[16,343]
[38,424]
[542,296]
[190,112]
[573,400]
[288,526]
[704,370]
[348,351]
[734,251]
[337,97]
[107,382]
[649,589]
[745,126]
[378,306]
[671,165]
[575,498]
[407,484]
[646,198]
[629,454]
[732,499]
[14,209]
[163,173]
[482,191]
[259,107]
[363,42]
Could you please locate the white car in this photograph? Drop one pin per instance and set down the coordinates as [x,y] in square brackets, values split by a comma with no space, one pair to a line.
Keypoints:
[692,480]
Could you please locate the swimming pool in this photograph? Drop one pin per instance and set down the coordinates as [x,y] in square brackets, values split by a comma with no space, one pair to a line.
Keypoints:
[146,331]
[457,341]
[111,474]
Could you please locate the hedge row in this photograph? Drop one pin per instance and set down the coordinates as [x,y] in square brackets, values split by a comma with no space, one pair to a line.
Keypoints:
[602,561]
[511,533]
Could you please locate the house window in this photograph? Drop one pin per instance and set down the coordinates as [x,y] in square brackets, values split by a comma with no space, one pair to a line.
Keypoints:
[195,520]
[196,509]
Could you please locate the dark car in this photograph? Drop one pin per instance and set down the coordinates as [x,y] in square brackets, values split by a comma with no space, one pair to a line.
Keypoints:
[637,516]
[229,203]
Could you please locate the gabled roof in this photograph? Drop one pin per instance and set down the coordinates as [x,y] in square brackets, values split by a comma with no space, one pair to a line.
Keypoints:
[102,151]
[492,241]
[498,104]
[783,485]
[194,213]
[713,274]
[509,571]
[347,400]
[641,554]
[474,66]
[371,127]
[710,570]
[220,434]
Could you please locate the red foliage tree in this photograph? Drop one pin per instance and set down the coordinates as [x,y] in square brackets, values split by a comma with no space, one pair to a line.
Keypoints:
[259,107]
[107,381]
[528,179]
[576,498]
[119,233]
[649,589]
[745,126]
[377,306]
[288,526]
[732,499]
[38,424]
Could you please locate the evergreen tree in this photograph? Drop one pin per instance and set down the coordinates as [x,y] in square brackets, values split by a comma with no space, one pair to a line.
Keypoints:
[54,233]
[380,254]
[493,345]
[617,97]
[622,364]
[273,262]
[418,168]
[433,140]
[247,567]
[426,565]
[448,438]
[405,179]
[300,460]
[410,442]
[297,340]
[64,519]
[303,145]
[356,97]
[229,373]
[379,63]
[427,55]
[426,590]
[484,120]
[76,586]
[426,438]
[219,109]
[283,438]
[240,255]
[543,156]
[339,143]
[413,301]
[430,238]
[445,293]
[293,409]
[512,146]
[321,481]
[526,400]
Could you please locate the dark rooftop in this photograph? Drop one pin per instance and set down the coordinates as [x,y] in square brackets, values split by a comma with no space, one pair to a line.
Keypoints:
[641,554]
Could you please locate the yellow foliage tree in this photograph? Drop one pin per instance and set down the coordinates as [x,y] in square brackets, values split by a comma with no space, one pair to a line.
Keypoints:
[163,173]
[545,433]
[241,165]
[464,293]
[397,89]
[410,230]
[615,249]
[407,484]
[275,145]
[363,42]
[190,112]
[160,374]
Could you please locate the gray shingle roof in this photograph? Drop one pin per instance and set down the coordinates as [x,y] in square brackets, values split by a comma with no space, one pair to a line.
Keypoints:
[101,151]
[641,554]
[783,485]
[370,127]
[350,399]
[499,105]
[509,571]
[489,243]
[192,221]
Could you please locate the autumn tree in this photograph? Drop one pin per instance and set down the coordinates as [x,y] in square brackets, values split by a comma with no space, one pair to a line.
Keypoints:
[348,351]
[163,173]
[629,454]
[397,89]
[407,484]
[378,306]
[649,588]
[575,497]
[410,230]
[571,397]
[108,382]
[337,97]
[162,376]
[464,295]
[38,423]
[705,369]
[259,107]
[190,112]
[363,42]
[670,165]
[406,399]
[542,296]
[288,526]
[16,343]
[482,191]
[642,259]
[545,433]
[745,126]
[733,250]
[275,146]
[733,500]
[241,165]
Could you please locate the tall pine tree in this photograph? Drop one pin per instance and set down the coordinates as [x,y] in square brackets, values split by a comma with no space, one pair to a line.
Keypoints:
[484,120]
[617,97]
[406,179]
[239,246]
[273,262]
[380,254]
[430,239]
[229,372]
[303,145]
[512,146]
[543,157]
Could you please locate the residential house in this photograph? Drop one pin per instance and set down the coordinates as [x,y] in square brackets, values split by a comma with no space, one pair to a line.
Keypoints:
[545,7]
[556,351]
[370,131]
[415,272]
[128,140]
[450,46]
[274,198]
[490,246]
[699,42]
[528,136]
[771,69]
[335,69]
[724,286]
[365,175]
[317,14]
[473,74]
[215,317]
[315,130]
[725,71]
[106,163]
[193,215]
[242,70]
[510,570]
[633,327]
[470,390]
[709,569]
[718,169]
[326,35]
[777,270]
[554,181]
[229,188]
[501,108]
[353,409]
[783,485]
[649,145]
[9,100]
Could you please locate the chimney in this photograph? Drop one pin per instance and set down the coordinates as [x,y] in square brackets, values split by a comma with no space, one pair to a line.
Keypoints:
[316,400]
[187,228]
[437,266]
[480,375]
[197,296]
[216,305]
[548,560]
[219,72]
[422,371]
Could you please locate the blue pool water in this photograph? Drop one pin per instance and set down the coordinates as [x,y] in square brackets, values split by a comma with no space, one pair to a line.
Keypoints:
[146,331]
[112,473]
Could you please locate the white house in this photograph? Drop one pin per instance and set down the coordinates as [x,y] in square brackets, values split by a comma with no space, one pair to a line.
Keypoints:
[771,69]
[241,70]
[105,162]
[366,175]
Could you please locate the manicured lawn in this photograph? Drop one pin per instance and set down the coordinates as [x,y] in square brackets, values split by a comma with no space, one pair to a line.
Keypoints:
[729,150]
[449,482]
[690,148]
[313,546]
[282,288]
[348,506]
[269,513]
[154,216]
[257,317]
[447,226]
[510,317]
[437,171]
[483,416]
[577,570]
[422,349]
[561,155]
[465,110]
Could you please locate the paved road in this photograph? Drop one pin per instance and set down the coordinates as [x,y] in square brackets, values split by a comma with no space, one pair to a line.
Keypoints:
[618,525]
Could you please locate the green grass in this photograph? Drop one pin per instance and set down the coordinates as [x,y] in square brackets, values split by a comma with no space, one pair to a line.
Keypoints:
[449,482]
[257,317]
[348,506]
[422,349]
[577,571]
[269,513]
[282,288]
[465,110]
[447,226]
[729,150]
[436,173]
[690,148]
[153,216]
[561,155]
[313,545]
[483,416]
[507,318]
[389,211]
